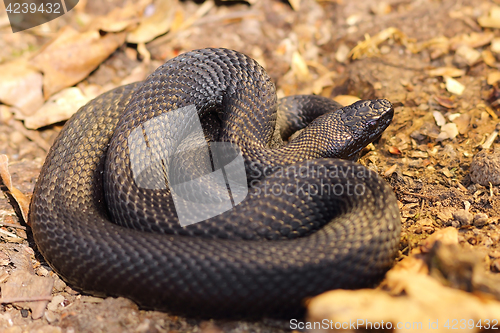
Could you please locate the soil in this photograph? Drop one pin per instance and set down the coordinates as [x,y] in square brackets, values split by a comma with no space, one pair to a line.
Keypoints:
[430,173]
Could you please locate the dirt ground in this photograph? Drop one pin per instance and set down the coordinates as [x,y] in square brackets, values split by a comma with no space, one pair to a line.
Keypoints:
[438,62]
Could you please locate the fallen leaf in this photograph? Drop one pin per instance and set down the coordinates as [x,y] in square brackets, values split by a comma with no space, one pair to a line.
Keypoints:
[119,18]
[446,71]
[492,20]
[445,102]
[155,25]
[295,4]
[462,122]
[448,131]
[409,300]
[470,55]
[345,100]
[439,118]
[472,40]
[495,45]
[454,86]
[6,179]
[447,236]
[394,150]
[369,47]
[300,68]
[342,54]
[488,58]
[59,107]
[72,56]
[21,86]
[493,77]
[27,290]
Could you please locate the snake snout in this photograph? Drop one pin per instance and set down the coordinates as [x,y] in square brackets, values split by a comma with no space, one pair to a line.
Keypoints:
[379,114]
[367,118]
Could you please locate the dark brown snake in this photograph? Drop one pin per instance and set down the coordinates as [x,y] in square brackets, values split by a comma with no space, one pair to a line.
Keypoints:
[336,224]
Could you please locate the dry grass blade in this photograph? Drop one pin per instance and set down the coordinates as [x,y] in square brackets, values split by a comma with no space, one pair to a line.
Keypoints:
[6,179]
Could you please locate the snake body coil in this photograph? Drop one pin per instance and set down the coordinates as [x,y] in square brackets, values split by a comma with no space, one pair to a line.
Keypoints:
[334,224]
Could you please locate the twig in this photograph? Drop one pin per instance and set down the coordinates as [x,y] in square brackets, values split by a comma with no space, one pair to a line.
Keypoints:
[419,195]
[25,299]
[12,225]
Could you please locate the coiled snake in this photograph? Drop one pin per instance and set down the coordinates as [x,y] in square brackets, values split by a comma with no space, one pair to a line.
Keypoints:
[334,224]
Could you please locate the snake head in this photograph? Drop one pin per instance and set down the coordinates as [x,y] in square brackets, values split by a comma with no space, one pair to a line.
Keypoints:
[365,120]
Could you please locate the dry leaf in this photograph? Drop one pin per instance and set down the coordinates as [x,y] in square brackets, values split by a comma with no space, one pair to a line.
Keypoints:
[426,308]
[6,179]
[409,301]
[345,100]
[493,77]
[492,20]
[488,58]
[447,236]
[300,68]
[323,81]
[71,56]
[439,118]
[462,122]
[155,25]
[200,12]
[59,107]
[446,71]
[295,4]
[448,131]
[454,86]
[472,40]
[470,55]
[495,45]
[27,290]
[119,18]
[21,86]
[369,47]
[342,53]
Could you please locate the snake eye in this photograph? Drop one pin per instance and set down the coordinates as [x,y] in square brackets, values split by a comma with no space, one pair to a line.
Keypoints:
[372,123]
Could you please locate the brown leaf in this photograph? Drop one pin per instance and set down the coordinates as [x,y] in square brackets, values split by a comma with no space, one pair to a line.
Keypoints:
[21,86]
[409,297]
[119,18]
[6,179]
[492,20]
[58,108]
[71,56]
[156,24]
[345,100]
[27,290]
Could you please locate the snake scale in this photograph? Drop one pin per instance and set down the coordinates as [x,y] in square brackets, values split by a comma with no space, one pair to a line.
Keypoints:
[105,234]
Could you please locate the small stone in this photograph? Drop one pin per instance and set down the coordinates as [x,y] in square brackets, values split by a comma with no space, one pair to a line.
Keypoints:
[480,220]
[439,118]
[485,168]
[448,131]
[25,313]
[495,265]
[51,316]
[56,301]
[463,216]
[42,271]
[59,285]
[416,135]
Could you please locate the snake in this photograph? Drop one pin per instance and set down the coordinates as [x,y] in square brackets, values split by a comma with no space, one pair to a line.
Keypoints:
[104,215]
